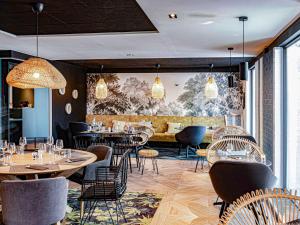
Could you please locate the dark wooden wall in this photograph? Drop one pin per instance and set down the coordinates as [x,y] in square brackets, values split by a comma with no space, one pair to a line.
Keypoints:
[76,79]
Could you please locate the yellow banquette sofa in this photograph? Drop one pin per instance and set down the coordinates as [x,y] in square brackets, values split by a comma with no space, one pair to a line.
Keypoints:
[160,124]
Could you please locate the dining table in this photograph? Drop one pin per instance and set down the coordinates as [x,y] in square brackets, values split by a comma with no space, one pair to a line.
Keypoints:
[26,166]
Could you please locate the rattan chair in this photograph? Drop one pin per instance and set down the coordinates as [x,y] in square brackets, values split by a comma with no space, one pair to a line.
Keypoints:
[228,130]
[269,207]
[142,128]
[237,144]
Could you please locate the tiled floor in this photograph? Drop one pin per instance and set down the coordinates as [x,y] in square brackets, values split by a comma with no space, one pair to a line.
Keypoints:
[188,196]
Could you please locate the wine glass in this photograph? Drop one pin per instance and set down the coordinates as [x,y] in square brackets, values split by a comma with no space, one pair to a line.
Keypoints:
[50,140]
[59,144]
[3,145]
[12,148]
[22,141]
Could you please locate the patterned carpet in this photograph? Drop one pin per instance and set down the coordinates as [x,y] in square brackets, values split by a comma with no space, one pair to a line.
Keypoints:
[139,209]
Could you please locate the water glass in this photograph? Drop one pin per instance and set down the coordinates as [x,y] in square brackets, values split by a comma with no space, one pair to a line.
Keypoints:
[20,150]
[59,144]
[67,153]
[42,147]
[7,159]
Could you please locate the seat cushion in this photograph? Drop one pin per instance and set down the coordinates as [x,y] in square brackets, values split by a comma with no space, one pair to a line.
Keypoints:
[164,137]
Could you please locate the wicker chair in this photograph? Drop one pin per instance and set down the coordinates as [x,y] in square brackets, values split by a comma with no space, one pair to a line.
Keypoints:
[237,144]
[228,130]
[142,128]
[264,208]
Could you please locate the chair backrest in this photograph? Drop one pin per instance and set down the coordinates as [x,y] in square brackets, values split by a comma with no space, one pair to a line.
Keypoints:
[266,207]
[142,128]
[77,127]
[34,202]
[232,179]
[228,130]
[191,135]
[235,144]
[246,137]
[119,185]
[102,152]
[121,175]
[83,141]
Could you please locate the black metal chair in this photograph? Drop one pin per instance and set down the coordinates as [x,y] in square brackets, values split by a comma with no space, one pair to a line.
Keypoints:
[83,141]
[110,186]
[232,179]
[77,127]
[190,136]
[103,154]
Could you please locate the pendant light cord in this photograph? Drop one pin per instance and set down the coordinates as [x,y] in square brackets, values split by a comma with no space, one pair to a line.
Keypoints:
[37,34]
[230,61]
[243,40]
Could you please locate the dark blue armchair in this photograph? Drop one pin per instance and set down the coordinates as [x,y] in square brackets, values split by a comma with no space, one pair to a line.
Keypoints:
[190,136]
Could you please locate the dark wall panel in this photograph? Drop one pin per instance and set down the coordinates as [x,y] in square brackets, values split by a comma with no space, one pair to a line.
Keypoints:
[268,105]
[76,79]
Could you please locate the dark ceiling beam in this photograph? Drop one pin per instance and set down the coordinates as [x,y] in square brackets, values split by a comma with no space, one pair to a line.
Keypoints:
[167,64]
[164,70]
[9,54]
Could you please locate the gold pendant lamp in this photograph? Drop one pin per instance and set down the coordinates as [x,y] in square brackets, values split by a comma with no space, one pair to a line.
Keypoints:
[211,90]
[158,90]
[36,72]
[101,87]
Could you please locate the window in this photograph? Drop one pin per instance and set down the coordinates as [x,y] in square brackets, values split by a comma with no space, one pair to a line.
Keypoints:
[292,116]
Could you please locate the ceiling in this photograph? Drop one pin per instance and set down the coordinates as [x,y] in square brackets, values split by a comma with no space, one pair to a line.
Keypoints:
[189,36]
[61,17]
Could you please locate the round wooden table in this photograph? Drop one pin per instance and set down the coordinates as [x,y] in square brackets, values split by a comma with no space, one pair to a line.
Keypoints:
[54,166]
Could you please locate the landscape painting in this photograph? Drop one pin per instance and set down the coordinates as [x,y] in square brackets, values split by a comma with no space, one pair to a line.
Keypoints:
[130,93]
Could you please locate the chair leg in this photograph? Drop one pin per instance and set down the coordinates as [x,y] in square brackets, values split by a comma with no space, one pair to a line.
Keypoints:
[202,159]
[187,151]
[81,209]
[129,160]
[153,165]
[156,165]
[113,222]
[179,149]
[121,209]
[222,209]
[197,165]
[143,164]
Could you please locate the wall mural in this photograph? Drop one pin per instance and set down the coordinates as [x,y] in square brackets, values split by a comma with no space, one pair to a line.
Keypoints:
[131,94]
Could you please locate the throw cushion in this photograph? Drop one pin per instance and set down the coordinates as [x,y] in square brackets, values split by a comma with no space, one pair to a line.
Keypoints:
[118,125]
[173,128]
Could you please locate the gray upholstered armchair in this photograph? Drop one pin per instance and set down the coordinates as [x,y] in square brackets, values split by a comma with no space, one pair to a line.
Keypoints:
[34,202]
[103,154]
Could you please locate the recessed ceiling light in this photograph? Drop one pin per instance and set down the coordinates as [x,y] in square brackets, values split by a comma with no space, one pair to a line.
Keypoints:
[173,16]
[208,22]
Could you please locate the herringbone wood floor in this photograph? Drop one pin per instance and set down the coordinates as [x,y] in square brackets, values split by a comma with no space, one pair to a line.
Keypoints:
[188,196]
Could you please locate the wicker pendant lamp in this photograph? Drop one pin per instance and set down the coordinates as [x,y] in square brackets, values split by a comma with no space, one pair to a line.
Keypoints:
[36,72]
[158,90]
[101,88]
